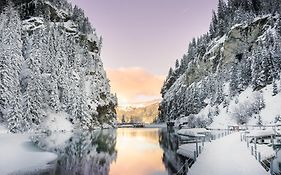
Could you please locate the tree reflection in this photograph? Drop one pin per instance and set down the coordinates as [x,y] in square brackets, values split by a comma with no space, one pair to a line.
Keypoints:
[169,143]
[82,153]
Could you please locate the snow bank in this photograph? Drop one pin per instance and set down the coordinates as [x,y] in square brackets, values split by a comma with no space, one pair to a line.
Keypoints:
[194,132]
[268,114]
[57,122]
[106,126]
[19,155]
[261,133]
[56,139]
[3,130]
[272,105]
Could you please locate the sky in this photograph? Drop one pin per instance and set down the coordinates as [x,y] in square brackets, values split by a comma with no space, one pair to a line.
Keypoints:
[143,38]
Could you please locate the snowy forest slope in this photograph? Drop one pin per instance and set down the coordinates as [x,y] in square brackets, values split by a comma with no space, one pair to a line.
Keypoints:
[238,59]
[50,63]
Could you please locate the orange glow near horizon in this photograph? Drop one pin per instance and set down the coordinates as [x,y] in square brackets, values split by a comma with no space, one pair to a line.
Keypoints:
[135,86]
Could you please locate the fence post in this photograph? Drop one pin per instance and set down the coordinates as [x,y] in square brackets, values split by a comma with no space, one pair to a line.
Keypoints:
[186,166]
[195,156]
[203,143]
[259,157]
[271,170]
[256,148]
[271,139]
[252,150]
[200,150]
[197,147]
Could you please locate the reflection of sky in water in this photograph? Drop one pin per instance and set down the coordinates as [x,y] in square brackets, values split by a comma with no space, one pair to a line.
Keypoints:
[139,153]
[138,143]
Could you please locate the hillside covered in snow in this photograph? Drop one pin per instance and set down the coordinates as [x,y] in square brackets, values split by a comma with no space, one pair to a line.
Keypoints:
[230,75]
[51,71]
[145,114]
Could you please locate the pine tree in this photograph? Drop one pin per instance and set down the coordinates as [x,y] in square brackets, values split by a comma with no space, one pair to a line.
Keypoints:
[11,59]
[222,12]
[214,26]
[274,88]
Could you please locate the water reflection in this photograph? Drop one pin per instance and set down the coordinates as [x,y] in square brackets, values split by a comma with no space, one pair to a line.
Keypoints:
[140,152]
[84,153]
[169,143]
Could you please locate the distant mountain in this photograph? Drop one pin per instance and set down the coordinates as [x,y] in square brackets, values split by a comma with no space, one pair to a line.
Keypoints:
[147,114]
[50,63]
[230,75]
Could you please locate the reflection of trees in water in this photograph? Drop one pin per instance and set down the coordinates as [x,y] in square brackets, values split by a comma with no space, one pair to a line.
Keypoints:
[169,143]
[83,153]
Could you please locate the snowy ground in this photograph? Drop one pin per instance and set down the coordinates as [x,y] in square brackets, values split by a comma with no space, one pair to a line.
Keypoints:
[229,156]
[18,154]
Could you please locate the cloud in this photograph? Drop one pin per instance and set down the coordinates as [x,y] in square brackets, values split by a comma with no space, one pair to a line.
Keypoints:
[134,85]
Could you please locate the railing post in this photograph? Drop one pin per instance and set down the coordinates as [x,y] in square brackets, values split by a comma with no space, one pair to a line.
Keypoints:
[271,139]
[197,147]
[271,170]
[186,166]
[256,148]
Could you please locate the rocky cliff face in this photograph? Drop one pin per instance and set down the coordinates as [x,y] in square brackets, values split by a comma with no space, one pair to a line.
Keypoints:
[211,80]
[56,55]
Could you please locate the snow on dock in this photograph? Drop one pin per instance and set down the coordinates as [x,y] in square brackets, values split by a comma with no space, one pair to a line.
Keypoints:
[229,156]
[193,132]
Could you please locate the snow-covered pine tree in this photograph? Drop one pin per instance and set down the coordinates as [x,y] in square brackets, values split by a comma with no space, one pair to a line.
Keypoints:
[11,101]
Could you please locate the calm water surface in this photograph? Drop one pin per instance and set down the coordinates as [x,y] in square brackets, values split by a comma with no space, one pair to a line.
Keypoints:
[127,151]
[139,153]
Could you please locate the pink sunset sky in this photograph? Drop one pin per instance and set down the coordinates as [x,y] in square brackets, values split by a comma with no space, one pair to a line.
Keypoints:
[143,38]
